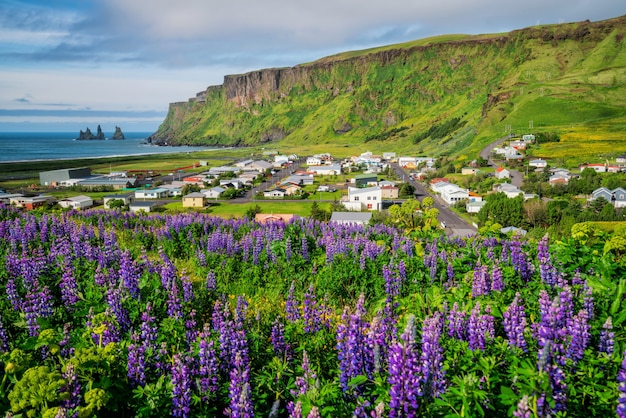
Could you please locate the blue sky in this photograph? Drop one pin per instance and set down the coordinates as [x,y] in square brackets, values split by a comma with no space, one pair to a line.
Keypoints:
[68,64]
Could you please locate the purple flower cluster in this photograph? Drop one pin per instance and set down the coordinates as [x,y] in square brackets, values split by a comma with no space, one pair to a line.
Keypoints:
[208,364]
[281,347]
[480,328]
[456,323]
[181,386]
[431,360]
[291,304]
[621,385]
[481,285]
[404,374]
[354,357]
[607,337]
[72,388]
[514,323]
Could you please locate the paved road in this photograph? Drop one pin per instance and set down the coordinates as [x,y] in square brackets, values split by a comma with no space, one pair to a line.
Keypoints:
[516,177]
[455,225]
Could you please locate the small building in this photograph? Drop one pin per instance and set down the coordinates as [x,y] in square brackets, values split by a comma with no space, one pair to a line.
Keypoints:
[127,199]
[502,173]
[56,177]
[194,200]
[474,206]
[355,218]
[468,171]
[617,196]
[538,163]
[598,168]
[214,192]
[452,194]
[362,180]
[6,197]
[263,218]
[157,193]
[389,156]
[277,193]
[513,230]
[528,138]
[107,182]
[76,202]
[313,161]
[369,198]
[142,206]
[31,202]
[389,192]
[326,170]
[621,159]
[259,165]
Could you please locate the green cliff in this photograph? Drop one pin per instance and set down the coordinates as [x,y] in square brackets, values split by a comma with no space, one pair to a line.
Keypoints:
[448,94]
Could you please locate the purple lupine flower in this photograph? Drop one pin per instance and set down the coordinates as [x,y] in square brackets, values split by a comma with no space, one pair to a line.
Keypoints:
[295,409]
[308,378]
[546,270]
[181,386]
[114,301]
[207,359]
[4,338]
[69,287]
[392,284]
[65,344]
[240,405]
[191,333]
[136,363]
[174,304]
[479,328]
[314,413]
[588,304]
[310,313]
[514,323]
[304,248]
[188,294]
[291,304]
[281,348]
[456,323]
[211,283]
[481,285]
[431,360]
[129,274]
[621,385]
[354,356]
[578,330]
[71,402]
[559,389]
[404,374]
[607,337]
[288,249]
[497,285]
[523,408]
[12,294]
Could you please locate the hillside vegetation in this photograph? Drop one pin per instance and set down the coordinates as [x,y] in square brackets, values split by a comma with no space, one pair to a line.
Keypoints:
[443,95]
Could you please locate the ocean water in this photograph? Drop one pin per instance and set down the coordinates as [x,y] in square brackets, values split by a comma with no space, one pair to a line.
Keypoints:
[31,146]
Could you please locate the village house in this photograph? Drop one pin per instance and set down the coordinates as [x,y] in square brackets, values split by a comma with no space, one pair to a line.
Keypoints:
[474,207]
[358,199]
[31,202]
[277,193]
[76,202]
[326,170]
[389,191]
[355,218]
[313,161]
[468,171]
[299,180]
[621,159]
[263,218]
[173,190]
[194,200]
[451,193]
[598,168]
[126,199]
[518,145]
[616,196]
[389,156]
[158,193]
[291,189]
[213,192]
[538,163]
[361,180]
[502,173]
[528,138]
[147,207]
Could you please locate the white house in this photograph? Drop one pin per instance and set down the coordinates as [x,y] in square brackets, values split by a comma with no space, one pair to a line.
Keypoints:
[451,193]
[357,218]
[313,161]
[474,207]
[389,156]
[141,206]
[213,192]
[158,193]
[508,189]
[326,170]
[127,199]
[76,202]
[369,198]
[277,193]
[538,163]
[406,161]
[528,138]
[502,173]
[598,168]
[259,165]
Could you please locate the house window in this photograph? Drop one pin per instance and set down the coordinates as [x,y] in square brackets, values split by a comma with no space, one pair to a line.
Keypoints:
[356,198]
[374,198]
[369,197]
[369,205]
[621,197]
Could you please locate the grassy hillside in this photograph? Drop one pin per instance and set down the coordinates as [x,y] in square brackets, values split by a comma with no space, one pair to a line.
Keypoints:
[444,95]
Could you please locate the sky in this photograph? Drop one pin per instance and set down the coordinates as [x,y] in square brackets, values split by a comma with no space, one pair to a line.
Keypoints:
[69,64]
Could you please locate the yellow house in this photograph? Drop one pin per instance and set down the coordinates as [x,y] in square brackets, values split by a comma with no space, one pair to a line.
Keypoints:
[194,200]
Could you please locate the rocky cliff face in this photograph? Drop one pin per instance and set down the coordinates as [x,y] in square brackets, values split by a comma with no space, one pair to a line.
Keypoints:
[409,87]
[118,134]
[87,135]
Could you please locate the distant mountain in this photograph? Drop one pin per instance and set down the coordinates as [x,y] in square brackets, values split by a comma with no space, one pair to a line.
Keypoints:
[443,95]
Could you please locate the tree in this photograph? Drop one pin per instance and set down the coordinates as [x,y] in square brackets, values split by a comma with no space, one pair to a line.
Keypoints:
[318,213]
[503,210]
[415,216]
[115,203]
[190,188]
[535,211]
[407,189]
[252,211]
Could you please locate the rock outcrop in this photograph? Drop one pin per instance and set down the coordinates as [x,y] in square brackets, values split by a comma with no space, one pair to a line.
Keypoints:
[118,133]
[88,136]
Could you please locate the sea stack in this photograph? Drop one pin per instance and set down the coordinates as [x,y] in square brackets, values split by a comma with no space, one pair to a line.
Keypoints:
[87,135]
[118,133]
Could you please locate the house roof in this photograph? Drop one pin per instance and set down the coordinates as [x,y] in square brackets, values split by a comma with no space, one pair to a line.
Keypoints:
[356,190]
[194,195]
[356,217]
[80,198]
[142,204]
[501,169]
